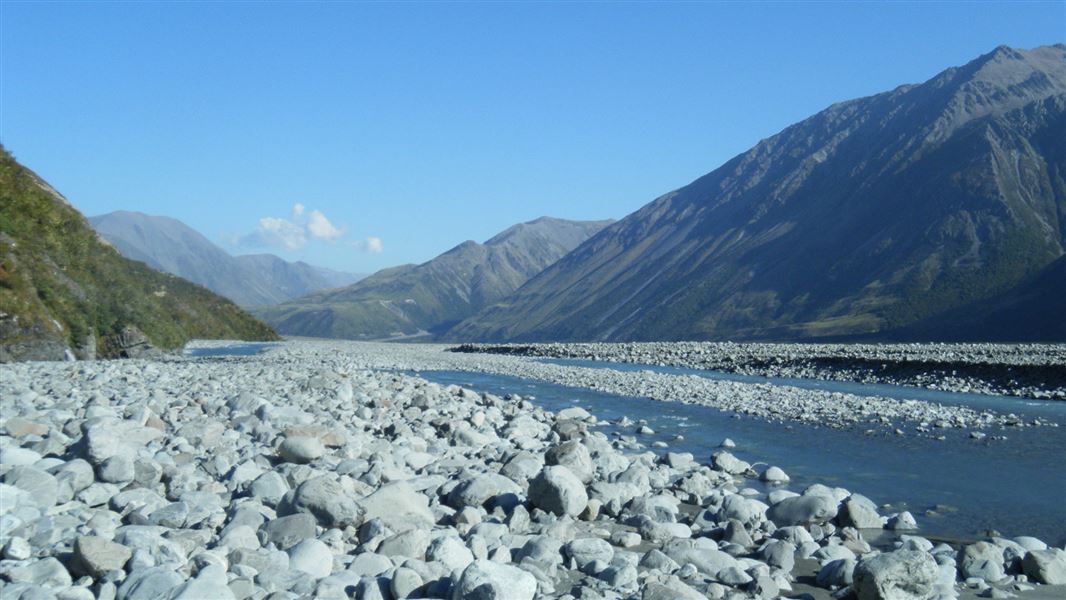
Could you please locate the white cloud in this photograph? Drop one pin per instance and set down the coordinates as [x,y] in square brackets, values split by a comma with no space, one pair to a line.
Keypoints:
[371,244]
[295,232]
[275,233]
[320,228]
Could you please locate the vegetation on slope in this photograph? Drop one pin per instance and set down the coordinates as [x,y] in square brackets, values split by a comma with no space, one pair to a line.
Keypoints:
[1031,312]
[61,287]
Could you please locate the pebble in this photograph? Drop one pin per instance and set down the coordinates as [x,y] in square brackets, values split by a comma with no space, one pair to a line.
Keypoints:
[95,556]
[325,498]
[301,449]
[311,557]
[287,531]
[486,579]
[1046,566]
[405,582]
[557,490]
[774,475]
[899,575]
[17,548]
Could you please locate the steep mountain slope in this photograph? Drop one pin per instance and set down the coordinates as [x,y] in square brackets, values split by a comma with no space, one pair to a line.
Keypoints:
[1033,311]
[171,246]
[869,216]
[283,280]
[332,278]
[431,297]
[62,289]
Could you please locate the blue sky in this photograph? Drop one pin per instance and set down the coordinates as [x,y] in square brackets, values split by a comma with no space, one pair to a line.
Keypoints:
[402,129]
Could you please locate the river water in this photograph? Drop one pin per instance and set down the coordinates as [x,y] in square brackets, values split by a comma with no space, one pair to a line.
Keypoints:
[1016,486]
[1048,409]
[237,349]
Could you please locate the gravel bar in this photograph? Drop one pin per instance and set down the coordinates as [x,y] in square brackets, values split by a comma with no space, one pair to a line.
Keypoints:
[771,402]
[1035,371]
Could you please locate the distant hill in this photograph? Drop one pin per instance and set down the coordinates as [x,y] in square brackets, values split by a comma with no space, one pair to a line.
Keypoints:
[63,292]
[168,245]
[867,217]
[431,297]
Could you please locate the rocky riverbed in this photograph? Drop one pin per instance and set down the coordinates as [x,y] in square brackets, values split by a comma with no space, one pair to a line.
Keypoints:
[771,402]
[1027,370]
[307,471]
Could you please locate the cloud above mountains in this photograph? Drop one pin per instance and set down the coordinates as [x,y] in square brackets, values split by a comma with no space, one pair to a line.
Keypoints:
[321,229]
[275,233]
[371,244]
[301,227]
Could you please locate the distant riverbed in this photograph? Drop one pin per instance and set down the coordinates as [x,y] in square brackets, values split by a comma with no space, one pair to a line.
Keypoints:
[1005,404]
[1036,371]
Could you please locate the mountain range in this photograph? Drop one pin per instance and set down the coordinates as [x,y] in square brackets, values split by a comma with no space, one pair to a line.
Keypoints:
[65,294]
[168,245]
[429,298]
[872,216]
[931,212]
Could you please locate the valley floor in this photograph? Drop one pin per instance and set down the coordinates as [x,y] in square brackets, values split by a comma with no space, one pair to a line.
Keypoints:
[332,470]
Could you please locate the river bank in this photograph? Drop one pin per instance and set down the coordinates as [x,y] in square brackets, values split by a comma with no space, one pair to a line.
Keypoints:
[307,471]
[1035,371]
[945,484]
[771,402]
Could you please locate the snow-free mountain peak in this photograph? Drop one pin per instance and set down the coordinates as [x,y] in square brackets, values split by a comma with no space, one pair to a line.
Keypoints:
[430,297]
[866,217]
[168,245]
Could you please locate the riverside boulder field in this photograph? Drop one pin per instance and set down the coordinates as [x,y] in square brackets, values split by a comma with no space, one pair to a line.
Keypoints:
[317,469]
